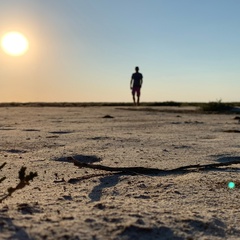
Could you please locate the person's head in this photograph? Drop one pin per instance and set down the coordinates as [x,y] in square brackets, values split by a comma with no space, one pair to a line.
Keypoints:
[137,69]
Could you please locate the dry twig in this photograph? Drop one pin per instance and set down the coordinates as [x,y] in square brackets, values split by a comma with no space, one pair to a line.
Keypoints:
[143,170]
[23,181]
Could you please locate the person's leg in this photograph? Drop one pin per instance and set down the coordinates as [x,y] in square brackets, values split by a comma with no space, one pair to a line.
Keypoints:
[138,96]
[134,101]
[133,94]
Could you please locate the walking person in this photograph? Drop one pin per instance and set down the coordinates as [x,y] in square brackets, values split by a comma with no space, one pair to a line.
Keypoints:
[136,84]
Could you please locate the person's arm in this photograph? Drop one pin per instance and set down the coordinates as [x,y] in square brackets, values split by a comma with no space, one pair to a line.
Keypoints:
[131,83]
[141,81]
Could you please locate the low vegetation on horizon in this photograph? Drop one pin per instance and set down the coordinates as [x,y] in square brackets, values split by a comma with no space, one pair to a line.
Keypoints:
[217,106]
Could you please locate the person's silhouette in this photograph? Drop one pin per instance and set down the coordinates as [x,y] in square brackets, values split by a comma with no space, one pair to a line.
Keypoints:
[136,84]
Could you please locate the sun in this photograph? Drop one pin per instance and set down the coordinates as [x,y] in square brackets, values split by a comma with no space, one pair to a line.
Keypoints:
[14,43]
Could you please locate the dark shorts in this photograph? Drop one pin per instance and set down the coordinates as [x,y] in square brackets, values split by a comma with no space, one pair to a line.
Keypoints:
[136,90]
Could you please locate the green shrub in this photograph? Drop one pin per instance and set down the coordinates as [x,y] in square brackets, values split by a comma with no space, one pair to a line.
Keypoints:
[217,106]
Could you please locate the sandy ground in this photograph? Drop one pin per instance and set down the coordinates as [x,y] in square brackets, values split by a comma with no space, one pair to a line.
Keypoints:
[67,202]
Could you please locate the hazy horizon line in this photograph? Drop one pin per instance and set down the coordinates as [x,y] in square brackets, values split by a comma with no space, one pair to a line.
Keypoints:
[112,103]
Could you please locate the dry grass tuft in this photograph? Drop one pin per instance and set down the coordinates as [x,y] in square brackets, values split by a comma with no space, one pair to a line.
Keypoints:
[24,180]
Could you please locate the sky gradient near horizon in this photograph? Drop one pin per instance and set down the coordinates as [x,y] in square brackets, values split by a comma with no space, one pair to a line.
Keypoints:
[86,50]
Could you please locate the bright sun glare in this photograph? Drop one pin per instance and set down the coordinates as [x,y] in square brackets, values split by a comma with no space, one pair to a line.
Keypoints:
[14,43]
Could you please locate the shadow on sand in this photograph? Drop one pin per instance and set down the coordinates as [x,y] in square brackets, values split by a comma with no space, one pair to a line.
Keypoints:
[105,182]
[9,230]
[147,233]
[89,159]
[226,159]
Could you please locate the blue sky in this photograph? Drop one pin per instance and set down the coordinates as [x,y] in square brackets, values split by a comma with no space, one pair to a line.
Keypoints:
[86,50]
